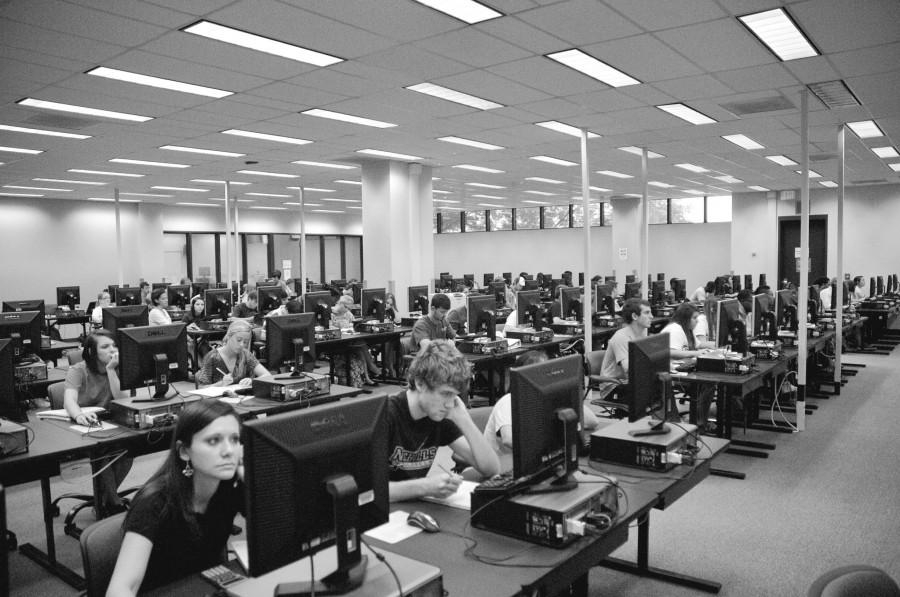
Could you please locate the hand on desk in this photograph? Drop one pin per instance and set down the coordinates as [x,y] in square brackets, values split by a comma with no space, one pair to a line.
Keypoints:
[441,485]
[87,419]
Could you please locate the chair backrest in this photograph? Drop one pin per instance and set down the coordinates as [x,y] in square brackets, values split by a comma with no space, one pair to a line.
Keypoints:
[74,356]
[480,416]
[100,545]
[55,392]
[854,581]
[594,361]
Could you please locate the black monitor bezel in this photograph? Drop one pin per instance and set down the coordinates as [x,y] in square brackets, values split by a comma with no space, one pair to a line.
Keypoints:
[120,292]
[413,293]
[62,294]
[30,322]
[131,315]
[567,296]
[281,330]
[269,297]
[648,357]
[478,307]
[172,293]
[212,296]
[142,339]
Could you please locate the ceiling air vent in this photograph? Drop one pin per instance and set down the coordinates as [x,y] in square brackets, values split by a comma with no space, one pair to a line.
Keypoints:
[758,106]
[870,181]
[834,94]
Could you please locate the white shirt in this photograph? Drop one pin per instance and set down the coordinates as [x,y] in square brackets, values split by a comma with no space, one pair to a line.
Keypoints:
[678,340]
[159,316]
[501,415]
[825,296]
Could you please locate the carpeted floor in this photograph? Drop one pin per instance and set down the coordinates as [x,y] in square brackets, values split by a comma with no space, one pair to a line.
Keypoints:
[824,498]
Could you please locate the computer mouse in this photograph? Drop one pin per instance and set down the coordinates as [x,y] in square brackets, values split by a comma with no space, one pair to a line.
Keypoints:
[426,522]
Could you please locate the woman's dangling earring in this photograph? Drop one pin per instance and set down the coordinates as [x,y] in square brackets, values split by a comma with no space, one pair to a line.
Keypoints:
[188,470]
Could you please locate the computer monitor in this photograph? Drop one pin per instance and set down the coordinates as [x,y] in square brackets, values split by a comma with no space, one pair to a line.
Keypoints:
[609,280]
[498,290]
[468,279]
[482,318]
[68,296]
[632,290]
[604,299]
[270,297]
[679,289]
[417,299]
[179,295]
[319,303]
[23,328]
[629,278]
[152,355]
[531,285]
[290,341]
[765,325]
[546,417]
[372,304]
[879,285]
[658,292]
[661,277]
[649,384]
[748,281]
[446,282]
[570,303]
[507,277]
[723,285]
[24,305]
[813,302]
[730,328]
[487,279]
[199,287]
[458,285]
[157,285]
[126,295]
[10,406]
[786,309]
[314,478]
[112,289]
[219,302]
[581,278]
[736,283]
[116,318]
[872,287]
[530,311]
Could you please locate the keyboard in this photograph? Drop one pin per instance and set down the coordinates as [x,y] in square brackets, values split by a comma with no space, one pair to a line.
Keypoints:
[221,576]
[504,484]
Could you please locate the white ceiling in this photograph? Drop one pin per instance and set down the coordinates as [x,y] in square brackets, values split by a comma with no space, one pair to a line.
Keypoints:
[691,51]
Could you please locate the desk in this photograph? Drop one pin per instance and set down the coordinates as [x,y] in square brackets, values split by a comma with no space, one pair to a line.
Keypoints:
[82,320]
[56,349]
[343,344]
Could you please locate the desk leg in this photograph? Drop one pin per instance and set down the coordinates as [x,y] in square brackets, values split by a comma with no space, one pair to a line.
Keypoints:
[643,568]
[48,559]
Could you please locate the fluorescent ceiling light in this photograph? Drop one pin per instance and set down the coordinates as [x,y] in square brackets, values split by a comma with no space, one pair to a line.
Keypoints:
[489,197]
[692,167]
[389,154]
[639,151]
[729,179]
[353,182]
[781,160]
[885,152]
[213,181]
[336,200]
[481,185]
[319,113]
[327,211]
[743,141]
[544,193]
[67,181]
[547,180]
[21,150]
[812,173]
[600,189]
[185,189]
[36,103]
[614,174]
[129,77]
[5,194]
[895,167]
[552,160]
[468,11]
[268,207]
[587,64]
[686,113]
[146,195]
[535,202]
[758,188]
[224,154]
[260,43]
[324,165]
[311,189]
[105,173]
[470,143]
[440,192]
[269,195]
[272,174]
[452,95]
[478,168]
[147,163]
[828,183]
[113,199]
[694,192]
[196,204]
[566,129]
[12,186]
[865,129]
[22,129]
[354,207]
[266,137]
[662,185]
[777,30]
[445,201]
[489,205]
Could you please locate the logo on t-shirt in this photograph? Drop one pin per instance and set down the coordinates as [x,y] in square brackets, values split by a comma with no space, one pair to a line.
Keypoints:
[412,460]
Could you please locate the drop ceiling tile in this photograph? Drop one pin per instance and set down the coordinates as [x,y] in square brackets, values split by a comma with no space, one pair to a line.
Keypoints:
[415,62]
[718,45]
[55,43]
[688,88]
[140,10]
[400,20]
[551,109]
[37,74]
[546,75]
[757,78]
[302,98]
[812,70]
[654,15]
[580,22]
[840,27]
[492,87]
[333,81]
[473,47]
[523,35]
[608,100]
[644,57]
[867,61]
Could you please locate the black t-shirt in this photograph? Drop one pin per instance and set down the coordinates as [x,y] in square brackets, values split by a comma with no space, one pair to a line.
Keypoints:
[177,552]
[413,443]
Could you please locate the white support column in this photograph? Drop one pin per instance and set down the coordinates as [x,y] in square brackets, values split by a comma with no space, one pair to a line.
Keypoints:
[119,236]
[236,243]
[302,243]
[838,294]
[803,282]
[586,301]
[227,237]
[645,227]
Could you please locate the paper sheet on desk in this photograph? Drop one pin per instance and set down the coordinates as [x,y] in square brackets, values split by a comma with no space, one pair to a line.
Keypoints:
[219,392]
[61,414]
[395,529]
[100,426]
[324,560]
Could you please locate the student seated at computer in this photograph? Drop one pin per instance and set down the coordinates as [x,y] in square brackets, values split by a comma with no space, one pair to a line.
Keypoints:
[287,307]
[159,301]
[703,292]
[362,365]
[195,316]
[433,326]
[637,318]
[288,291]
[180,521]
[498,430]
[431,414]
[103,300]
[458,319]
[95,382]
[684,346]
[248,308]
[232,362]
[857,293]
[825,293]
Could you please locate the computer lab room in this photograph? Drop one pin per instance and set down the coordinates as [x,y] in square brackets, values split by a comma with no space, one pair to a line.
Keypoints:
[449,297]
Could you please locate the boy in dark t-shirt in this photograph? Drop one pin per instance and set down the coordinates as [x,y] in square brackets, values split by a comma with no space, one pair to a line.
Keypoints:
[429,415]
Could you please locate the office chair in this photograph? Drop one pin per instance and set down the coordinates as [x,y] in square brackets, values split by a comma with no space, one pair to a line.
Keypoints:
[100,545]
[856,580]
[593,364]
[480,416]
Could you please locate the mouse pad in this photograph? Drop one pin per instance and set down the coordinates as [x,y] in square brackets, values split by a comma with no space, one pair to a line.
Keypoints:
[395,529]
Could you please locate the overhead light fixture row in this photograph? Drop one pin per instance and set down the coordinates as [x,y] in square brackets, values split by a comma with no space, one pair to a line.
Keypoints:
[259,43]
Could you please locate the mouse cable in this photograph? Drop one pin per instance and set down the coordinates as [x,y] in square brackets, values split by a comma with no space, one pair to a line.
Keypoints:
[381,558]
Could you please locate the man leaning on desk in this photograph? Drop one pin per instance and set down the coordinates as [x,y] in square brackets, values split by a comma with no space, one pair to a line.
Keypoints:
[433,326]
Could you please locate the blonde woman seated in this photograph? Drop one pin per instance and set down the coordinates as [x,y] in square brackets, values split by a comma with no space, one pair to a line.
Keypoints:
[360,358]
[232,362]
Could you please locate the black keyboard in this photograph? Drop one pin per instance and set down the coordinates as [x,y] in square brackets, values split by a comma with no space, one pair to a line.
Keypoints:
[504,484]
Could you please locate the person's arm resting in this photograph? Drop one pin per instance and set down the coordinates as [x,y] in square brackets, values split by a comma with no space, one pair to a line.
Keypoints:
[472,447]
[131,566]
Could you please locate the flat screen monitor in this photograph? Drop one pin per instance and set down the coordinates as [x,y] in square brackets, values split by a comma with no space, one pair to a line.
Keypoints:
[629,278]
[530,311]
[314,478]
[764,324]
[487,279]
[498,290]
[658,292]
[219,302]
[446,281]
[482,318]
[116,318]
[735,283]
[179,295]
[730,328]
[679,289]
[468,279]
[152,355]
[581,278]
[786,309]
[748,281]
[199,287]
[604,299]
[158,285]
[546,417]
[417,299]
[68,296]
[872,287]
[23,328]
[24,305]
[319,303]
[127,295]
[112,289]
[531,284]
[270,297]
[661,277]
[879,285]
[632,290]
[372,304]
[290,341]
[507,277]
[570,303]
[10,407]
[648,382]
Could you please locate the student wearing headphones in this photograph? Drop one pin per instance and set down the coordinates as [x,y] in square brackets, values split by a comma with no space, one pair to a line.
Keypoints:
[159,301]
[95,382]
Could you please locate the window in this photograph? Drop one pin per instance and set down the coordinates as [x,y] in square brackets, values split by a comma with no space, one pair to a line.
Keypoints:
[578,214]
[607,214]
[528,218]
[688,210]
[659,211]
[718,208]
[450,221]
[475,221]
[501,219]
[556,216]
